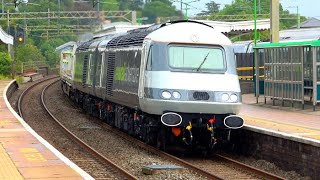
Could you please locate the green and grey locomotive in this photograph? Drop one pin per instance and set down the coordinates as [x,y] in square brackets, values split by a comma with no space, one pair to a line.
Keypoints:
[169,84]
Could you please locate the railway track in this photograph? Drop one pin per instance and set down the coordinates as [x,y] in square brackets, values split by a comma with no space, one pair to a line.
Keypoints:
[213,168]
[227,168]
[98,166]
[217,167]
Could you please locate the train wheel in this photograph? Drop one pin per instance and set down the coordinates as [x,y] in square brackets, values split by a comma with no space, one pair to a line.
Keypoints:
[161,140]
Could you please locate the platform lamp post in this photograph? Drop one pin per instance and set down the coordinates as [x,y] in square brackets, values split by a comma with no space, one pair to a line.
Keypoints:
[298,15]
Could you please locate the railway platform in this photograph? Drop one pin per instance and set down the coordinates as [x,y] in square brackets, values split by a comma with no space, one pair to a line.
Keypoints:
[24,154]
[290,122]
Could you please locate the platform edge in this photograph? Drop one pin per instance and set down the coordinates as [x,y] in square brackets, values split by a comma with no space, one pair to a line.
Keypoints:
[67,161]
[283,135]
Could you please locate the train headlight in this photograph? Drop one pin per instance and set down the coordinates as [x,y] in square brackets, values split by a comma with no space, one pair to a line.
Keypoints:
[225,97]
[166,94]
[176,95]
[233,98]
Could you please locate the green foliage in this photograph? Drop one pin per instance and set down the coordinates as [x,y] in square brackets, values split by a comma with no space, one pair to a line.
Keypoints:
[19,79]
[2,77]
[47,49]
[5,64]
[27,53]
[110,5]
[246,7]
[158,8]
[4,48]
[212,8]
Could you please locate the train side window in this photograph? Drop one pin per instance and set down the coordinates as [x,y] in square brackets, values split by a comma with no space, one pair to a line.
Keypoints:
[89,70]
[149,60]
[98,73]
[102,68]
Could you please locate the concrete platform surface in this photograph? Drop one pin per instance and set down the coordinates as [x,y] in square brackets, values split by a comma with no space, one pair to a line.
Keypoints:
[24,154]
[293,121]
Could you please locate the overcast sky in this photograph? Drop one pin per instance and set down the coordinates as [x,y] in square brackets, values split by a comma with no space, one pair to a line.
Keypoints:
[309,8]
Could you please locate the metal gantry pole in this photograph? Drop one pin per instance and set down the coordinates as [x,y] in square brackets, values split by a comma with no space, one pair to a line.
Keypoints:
[255,22]
[59,16]
[181,14]
[2,7]
[25,28]
[10,48]
[298,18]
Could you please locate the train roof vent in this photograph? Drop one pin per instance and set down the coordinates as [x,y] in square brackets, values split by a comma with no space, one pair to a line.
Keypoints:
[131,39]
[84,46]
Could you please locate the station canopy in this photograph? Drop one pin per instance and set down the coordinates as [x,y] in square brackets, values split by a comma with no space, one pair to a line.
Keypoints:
[5,38]
[238,27]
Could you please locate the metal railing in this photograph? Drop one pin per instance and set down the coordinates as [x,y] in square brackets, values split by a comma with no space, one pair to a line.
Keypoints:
[33,66]
[291,72]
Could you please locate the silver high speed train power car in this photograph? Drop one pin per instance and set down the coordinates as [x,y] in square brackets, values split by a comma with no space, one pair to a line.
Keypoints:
[173,83]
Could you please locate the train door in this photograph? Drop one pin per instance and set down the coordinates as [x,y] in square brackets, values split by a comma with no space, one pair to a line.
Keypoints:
[97,73]
[70,64]
[100,75]
[90,71]
[144,57]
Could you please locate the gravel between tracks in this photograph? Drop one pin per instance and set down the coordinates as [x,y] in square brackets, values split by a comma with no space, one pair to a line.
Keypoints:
[41,122]
[94,132]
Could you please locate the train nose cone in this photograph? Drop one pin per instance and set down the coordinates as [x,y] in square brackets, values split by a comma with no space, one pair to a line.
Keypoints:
[171,119]
[233,122]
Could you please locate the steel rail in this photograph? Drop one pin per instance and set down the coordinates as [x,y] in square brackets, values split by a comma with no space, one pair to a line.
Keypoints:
[248,168]
[27,90]
[186,164]
[82,143]
[151,149]
[163,154]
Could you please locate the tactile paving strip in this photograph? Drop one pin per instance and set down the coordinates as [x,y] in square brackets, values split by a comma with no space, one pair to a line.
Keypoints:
[7,167]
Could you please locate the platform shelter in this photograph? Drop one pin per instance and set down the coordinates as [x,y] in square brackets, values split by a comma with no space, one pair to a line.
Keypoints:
[291,72]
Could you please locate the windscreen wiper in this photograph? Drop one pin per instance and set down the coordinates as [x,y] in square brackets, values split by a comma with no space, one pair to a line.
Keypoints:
[204,60]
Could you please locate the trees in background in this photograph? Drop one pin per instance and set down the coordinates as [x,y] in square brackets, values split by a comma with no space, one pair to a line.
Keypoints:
[212,8]
[5,64]
[44,48]
[27,53]
[246,7]
[159,8]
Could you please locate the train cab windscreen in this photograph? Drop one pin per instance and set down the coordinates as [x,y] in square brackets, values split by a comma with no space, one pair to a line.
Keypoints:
[196,58]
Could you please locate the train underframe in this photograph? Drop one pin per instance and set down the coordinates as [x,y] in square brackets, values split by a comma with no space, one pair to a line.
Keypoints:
[197,131]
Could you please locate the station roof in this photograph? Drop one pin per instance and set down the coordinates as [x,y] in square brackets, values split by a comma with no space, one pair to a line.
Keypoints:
[222,26]
[240,26]
[300,34]
[311,23]
[5,38]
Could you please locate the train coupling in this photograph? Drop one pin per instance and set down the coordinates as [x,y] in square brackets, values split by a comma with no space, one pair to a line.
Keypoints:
[188,141]
[233,122]
[213,140]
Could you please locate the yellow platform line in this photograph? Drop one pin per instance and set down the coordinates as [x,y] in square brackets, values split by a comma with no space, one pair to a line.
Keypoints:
[277,122]
[286,127]
[7,168]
